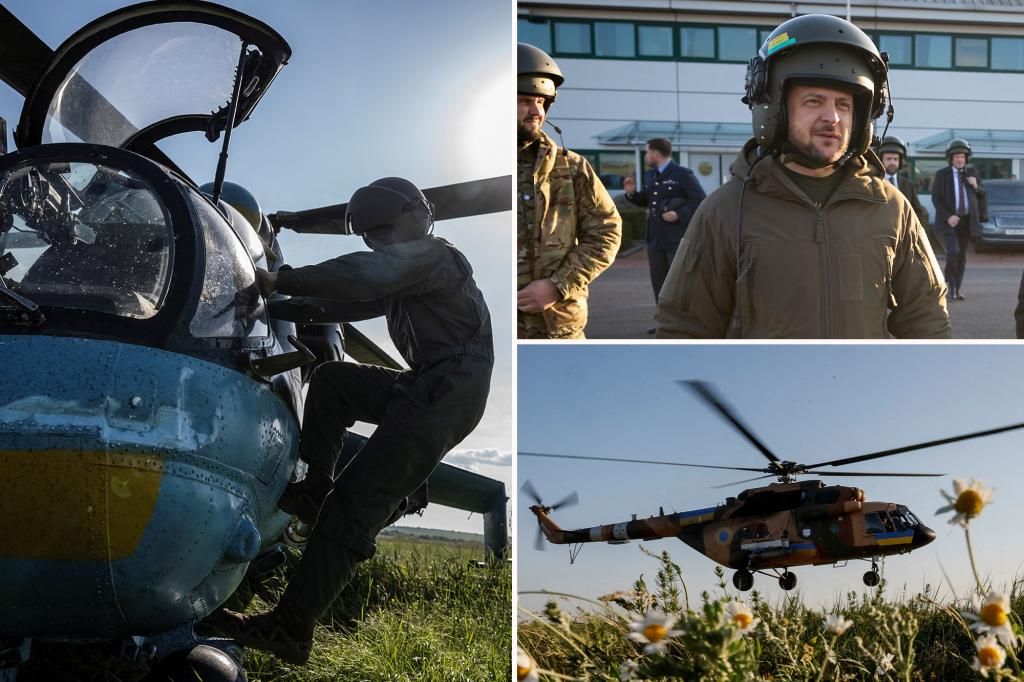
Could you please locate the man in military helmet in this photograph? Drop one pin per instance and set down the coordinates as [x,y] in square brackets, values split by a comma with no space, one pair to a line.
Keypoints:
[440,325]
[806,240]
[956,193]
[671,194]
[568,227]
[893,154]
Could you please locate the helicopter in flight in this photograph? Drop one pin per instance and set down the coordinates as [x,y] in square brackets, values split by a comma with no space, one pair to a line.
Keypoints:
[150,410]
[772,528]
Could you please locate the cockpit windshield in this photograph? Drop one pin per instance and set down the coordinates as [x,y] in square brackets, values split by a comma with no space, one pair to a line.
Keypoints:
[85,236]
[176,69]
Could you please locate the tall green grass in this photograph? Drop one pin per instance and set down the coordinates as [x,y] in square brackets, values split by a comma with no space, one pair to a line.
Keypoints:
[418,611]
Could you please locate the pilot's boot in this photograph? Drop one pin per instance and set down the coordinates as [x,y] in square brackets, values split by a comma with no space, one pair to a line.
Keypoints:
[305,498]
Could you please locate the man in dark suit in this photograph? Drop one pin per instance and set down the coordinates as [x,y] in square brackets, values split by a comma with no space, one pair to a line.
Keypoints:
[671,194]
[893,154]
[955,193]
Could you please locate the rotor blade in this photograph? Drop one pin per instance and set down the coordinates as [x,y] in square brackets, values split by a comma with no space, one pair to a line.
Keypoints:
[570,500]
[538,542]
[746,480]
[531,492]
[477,197]
[863,473]
[911,448]
[22,54]
[707,393]
[640,461]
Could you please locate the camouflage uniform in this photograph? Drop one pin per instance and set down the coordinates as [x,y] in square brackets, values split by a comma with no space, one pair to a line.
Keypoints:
[568,231]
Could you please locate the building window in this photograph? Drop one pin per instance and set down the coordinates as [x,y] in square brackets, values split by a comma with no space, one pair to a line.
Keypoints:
[655,41]
[697,43]
[1008,54]
[899,47]
[933,51]
[972,53]
[610,166]
[736,44]
[572,38]
[614,39]
[536,32]
[762,36]
[993,169]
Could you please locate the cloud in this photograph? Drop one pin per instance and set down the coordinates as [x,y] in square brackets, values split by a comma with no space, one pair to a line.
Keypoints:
[471,459]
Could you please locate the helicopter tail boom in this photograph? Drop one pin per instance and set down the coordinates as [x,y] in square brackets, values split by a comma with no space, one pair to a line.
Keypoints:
[651,528]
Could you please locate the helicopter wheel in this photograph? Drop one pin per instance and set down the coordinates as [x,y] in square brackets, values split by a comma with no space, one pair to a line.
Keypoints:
[202,663]
[743,580]
[871,578]
[787,581]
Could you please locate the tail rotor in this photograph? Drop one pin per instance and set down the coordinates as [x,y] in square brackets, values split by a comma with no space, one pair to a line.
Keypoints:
[539,506]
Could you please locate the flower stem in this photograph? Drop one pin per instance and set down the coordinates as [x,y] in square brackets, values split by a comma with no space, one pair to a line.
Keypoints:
[974,567]
[824,665]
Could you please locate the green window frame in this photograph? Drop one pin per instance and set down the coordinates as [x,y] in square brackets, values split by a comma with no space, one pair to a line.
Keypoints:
[970,52]
[612,33]
[884,41]
[673,42]
[938,47]
[706,30]
[536,32]
[1006,53]
[727,39]
[561,28]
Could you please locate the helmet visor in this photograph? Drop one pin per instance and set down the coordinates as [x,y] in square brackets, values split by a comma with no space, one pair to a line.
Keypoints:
[371,207]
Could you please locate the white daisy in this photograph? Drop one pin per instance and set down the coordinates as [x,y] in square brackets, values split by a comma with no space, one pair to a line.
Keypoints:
[992,616]
[526,669]
[967,501]
[740,616]
[628,670]
[884,664]
[836,624]
[990,655]
[653,631]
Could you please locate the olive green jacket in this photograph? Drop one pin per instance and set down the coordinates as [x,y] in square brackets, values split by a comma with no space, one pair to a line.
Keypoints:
[575,238]
[858,267]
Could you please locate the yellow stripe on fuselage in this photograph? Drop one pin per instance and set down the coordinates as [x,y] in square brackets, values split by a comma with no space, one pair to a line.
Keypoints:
[69,504]
[905,540]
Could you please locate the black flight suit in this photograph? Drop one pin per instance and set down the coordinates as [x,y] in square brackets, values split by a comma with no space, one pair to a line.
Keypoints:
[440,324]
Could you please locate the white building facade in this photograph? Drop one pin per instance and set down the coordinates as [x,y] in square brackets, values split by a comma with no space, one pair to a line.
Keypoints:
[637,69]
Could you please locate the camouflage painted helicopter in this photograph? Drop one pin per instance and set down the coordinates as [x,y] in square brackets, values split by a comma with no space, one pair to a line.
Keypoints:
[149,412]
[774,527]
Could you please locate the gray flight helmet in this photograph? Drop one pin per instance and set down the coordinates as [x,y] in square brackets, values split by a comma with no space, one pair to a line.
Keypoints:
[817,48]
[387,211]
[891,143]
[958,145]
[538,73]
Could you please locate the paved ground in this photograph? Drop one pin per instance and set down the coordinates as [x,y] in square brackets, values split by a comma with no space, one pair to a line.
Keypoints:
[622,304]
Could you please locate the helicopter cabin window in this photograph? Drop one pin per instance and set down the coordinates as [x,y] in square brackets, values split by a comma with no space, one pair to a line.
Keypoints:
[878,522]
[230,305]
[85,236]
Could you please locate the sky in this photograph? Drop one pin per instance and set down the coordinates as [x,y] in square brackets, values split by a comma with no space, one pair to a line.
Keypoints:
[376,89]
[807,403]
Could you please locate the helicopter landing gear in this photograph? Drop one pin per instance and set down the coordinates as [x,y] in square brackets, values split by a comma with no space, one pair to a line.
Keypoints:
[743,580]
[787,581]
[201,663]
[871,578]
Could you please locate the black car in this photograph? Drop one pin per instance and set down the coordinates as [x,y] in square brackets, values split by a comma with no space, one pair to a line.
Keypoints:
[1005,225]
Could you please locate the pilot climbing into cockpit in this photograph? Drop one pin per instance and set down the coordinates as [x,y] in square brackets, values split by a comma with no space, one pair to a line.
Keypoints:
[440,324]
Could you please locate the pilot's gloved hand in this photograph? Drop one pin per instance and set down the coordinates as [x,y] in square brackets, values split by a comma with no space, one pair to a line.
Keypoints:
[266,281]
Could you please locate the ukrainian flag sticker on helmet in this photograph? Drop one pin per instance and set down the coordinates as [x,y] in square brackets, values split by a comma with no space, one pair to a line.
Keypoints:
[779,42]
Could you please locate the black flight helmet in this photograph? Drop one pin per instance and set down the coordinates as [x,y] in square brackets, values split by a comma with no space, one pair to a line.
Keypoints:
[893,144]
[958,146]
[388,211]
[538,73]
[240,199]
[816,48]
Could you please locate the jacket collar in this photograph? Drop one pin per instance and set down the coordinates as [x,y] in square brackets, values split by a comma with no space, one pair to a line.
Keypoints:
[862,179]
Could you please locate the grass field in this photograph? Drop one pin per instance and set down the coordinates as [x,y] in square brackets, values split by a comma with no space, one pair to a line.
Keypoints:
[737,636]
[418,611]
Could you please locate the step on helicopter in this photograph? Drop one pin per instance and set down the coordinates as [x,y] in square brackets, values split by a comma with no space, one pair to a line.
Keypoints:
[772,528]
[149,413]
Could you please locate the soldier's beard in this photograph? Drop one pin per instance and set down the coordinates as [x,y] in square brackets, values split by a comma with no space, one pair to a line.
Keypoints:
[812,152]
[528,133]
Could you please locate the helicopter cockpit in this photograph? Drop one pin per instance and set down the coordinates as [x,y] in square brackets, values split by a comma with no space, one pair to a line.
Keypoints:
[100,232]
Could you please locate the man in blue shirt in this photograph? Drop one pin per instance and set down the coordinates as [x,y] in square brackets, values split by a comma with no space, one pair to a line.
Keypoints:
[671,194]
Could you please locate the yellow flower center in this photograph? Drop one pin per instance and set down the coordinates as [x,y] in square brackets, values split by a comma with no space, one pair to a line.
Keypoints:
[969,502]
[742,620]
[655,632]
[993,614]
[990,656]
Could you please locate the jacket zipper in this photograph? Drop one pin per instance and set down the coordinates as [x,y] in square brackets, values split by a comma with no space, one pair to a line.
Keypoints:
[826,303]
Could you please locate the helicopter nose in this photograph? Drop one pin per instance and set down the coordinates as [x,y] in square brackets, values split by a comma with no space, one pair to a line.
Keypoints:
[923,535]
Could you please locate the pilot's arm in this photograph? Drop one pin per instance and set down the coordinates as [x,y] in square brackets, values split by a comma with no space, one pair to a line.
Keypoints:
[309,310]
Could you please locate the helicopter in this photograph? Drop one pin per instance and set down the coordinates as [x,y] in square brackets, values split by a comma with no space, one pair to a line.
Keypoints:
[149,415]
[772,528]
